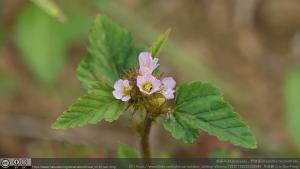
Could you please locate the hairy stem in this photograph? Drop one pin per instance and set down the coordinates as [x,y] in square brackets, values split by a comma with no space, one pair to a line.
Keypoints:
[145,148]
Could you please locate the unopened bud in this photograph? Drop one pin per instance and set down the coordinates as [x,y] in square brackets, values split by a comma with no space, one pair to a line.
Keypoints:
[157,100]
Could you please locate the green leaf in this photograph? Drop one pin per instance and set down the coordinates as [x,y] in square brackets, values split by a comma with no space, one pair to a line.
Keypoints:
[125,151]
[43,41]
[292,97]
[159,43]
[180,130]
[201,106]
[77,26]
[110,53]
[51,8]
[91,108]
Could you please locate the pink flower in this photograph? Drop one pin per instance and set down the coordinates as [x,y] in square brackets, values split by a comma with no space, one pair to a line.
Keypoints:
[148,84]
[168,85]
[147,63]
[122,90]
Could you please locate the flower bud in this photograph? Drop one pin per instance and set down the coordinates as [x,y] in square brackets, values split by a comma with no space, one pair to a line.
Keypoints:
[157,100]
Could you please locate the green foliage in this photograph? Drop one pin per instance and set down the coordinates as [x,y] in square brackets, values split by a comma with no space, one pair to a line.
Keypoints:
[43,41]
[180,130]
[110,53]
[51,8]
[125,151]
[201,106]
[197,105]
[91,108]
[159,43]
[292,97]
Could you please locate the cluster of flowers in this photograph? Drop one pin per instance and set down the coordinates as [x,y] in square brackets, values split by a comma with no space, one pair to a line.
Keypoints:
[145,81]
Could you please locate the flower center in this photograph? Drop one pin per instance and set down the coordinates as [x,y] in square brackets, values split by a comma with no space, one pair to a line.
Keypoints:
[147,86]
[126,91]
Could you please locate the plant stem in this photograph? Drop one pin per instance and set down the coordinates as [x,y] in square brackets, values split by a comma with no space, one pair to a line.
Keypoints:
[145,148]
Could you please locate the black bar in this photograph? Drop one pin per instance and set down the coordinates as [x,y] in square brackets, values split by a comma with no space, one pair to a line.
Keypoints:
[164,163]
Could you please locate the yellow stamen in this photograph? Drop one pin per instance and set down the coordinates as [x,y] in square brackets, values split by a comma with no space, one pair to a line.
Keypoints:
[147,86]
[126,91]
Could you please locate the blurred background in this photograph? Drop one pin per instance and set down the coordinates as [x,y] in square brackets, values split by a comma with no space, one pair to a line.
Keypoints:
[249,48]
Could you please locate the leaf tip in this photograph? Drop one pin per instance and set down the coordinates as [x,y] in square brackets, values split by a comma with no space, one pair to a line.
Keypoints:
[254,144]
[159,43]
[56,126]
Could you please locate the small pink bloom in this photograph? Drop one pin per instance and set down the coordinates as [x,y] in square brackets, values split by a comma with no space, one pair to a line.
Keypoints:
[168,85]
[122,90]
[148,84]
[147,63]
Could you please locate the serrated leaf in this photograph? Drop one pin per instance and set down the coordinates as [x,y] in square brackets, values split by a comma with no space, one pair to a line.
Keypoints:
[91,108]
[180,131]
[159,43]
[125,151]
[110,53]
[292,97]
[201,106]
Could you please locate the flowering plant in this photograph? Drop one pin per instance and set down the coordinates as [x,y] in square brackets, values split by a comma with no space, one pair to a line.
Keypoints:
[123,77]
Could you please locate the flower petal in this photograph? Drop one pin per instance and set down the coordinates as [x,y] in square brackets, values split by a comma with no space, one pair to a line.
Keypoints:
[168,82]
[145,58]
[145,70]
[118,94]
[147,63]
[119,84]
[154,64]
[169,94]
[156,85]
[125,98]
[126,83]
[141,80]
